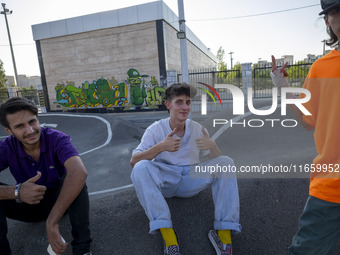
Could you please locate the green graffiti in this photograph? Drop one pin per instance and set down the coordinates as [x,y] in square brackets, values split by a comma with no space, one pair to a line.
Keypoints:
[155,96]
[137,87]
[100,92]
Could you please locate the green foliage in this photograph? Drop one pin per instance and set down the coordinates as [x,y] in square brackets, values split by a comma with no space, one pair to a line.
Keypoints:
[221,65]
[298,73]
[3,80]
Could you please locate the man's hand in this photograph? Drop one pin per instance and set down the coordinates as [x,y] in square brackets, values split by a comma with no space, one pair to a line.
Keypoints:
[278,74]
[204,142]
[30,192]
[171,143]
[54,238]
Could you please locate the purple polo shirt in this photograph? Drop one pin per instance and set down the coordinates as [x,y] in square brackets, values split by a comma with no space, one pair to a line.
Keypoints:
[55,149]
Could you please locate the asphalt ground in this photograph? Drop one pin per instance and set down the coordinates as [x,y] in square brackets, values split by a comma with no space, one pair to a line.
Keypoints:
[270,204]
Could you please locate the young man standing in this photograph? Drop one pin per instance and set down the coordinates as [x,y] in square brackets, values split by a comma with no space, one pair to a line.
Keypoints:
[169,150]
[50,178]
[319,226]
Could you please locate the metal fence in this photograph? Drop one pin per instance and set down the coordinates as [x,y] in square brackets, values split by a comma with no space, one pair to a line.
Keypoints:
[262,83]
[34,95]
[3,95]
[212,77]
[30,94]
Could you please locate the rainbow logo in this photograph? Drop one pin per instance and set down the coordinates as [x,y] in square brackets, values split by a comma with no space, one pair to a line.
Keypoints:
[213,90]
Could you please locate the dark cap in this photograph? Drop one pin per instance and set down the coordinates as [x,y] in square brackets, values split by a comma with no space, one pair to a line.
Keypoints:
[327,5]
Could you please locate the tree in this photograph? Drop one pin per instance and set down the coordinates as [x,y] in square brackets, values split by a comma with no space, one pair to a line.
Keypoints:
[3,80]
[221,65]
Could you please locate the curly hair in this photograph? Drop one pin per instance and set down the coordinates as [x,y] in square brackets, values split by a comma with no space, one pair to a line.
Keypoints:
[178,89]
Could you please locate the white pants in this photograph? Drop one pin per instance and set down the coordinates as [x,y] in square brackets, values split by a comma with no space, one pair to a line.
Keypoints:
[154,180]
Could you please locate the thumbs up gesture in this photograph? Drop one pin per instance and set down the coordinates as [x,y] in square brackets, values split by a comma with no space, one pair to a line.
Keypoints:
[30,192]
[171,143]
[204,142]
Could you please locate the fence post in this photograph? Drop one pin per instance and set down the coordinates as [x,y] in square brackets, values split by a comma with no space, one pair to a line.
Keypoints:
[12,92]
[171,77]
[247,79]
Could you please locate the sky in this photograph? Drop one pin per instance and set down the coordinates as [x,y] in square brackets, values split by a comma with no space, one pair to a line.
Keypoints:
[296,32]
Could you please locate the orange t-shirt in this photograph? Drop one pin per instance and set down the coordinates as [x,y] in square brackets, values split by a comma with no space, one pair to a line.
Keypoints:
[323,82]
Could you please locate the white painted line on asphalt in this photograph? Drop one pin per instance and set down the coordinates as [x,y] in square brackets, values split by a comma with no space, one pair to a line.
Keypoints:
[111,190]
[48,125]
[108,125]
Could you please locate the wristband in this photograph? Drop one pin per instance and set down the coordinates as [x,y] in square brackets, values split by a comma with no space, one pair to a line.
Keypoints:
[17,193]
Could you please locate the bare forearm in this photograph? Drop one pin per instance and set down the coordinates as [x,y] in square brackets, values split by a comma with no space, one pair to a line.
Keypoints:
[7,192]
[74,182]
[148,154]
[71,188]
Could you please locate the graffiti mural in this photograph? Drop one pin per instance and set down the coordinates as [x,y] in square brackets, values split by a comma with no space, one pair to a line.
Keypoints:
[100,93]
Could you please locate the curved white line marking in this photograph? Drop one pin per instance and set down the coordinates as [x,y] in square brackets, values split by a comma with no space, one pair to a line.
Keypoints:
[108,125]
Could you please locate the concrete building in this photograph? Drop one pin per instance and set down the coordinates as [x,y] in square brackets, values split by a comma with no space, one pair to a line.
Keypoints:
[24,81]
[80,51]
[286,58]
[10,80]
[27,81]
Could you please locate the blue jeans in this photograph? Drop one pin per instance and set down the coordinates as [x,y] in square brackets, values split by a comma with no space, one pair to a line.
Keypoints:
[154,180]
[319,228]
[78,214]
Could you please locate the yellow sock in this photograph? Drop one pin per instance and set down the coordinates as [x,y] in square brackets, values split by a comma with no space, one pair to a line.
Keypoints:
[169,236]
[224,236]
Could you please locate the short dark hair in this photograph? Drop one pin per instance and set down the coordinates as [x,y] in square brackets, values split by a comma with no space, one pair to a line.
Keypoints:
[178,89]
[13,105]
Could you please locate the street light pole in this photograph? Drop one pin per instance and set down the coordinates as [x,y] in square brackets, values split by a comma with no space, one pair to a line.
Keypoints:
[231,59]
[183,42]
[324,50]
[10,41]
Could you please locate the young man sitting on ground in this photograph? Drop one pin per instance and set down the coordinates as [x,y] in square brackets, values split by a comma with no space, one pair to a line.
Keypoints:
[163,165]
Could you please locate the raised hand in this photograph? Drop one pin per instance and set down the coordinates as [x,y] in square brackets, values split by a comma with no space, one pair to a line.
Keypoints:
[281,69]
[204,142]
[279,74]
[171,143]
[30,192]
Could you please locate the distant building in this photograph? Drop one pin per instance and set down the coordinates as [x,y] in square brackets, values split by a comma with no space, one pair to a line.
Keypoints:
[284,59]
[24,81]
[263,63]
[310,58]
[27,81]
[10,81]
